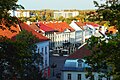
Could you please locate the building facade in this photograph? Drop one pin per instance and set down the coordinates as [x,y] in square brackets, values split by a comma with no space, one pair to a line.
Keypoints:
[42,48]
[85,30]
[76,68]
[65,14]
[20,13]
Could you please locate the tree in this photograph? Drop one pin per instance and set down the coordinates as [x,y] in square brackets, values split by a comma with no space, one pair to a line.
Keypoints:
[105,55]
[61,18]
[19,59]
[112,9]
[5,7]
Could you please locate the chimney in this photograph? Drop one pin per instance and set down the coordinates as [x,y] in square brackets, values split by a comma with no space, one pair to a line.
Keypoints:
[28,22]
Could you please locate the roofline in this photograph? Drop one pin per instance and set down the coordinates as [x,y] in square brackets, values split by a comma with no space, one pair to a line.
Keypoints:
[82,45]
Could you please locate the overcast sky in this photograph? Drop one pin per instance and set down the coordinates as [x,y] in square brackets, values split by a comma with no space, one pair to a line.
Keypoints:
[57,4]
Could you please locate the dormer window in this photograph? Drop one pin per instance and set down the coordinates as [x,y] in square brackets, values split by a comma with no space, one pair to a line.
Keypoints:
[67,30]
[80,63]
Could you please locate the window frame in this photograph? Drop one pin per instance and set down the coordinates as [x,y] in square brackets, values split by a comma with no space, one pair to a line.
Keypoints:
[69,76]
[79,76]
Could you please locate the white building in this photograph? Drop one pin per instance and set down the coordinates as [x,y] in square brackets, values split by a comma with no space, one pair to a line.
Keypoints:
[79,38]
[65,14]
[85,30]
[42,48]
[63,33]
[20,13]
[75,67]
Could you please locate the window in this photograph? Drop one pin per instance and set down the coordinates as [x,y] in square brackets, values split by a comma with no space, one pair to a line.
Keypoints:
[45,63]
[69,77]
[42,51]
[80,63]
[108,78]
[38,51]
[79,77]
[45,50]
[99,77]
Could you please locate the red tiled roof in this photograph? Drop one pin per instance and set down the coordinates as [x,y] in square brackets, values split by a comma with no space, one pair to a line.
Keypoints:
[92,23]
[24,26]
[80,24]
[112,30]
[34,27]
[80,53]
[59,26]
[9,34]
[45,27]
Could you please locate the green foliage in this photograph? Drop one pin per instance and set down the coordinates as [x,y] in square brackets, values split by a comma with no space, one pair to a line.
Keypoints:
[19,59]
[27,37]
[5,6]
[109,10]
[105,55]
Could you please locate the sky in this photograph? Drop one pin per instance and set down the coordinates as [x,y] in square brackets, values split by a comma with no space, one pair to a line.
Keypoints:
[57,4]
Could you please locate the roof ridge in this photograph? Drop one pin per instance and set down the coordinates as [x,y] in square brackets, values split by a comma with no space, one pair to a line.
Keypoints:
[82,45]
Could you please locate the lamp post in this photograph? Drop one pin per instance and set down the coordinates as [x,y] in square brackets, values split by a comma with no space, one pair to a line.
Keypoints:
[53,66]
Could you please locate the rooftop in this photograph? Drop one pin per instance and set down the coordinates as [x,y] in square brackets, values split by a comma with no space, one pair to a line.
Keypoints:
[24,26]
[92,23]
[80,24]
[9,33]
[58,26]
[80,53]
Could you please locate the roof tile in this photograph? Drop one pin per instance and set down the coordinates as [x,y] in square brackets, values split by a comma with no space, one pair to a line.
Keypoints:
[80,53]
[9,34]
[59,26]
[24,26]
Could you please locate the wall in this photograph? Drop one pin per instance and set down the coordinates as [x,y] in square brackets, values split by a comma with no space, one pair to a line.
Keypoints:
[78,32]
[83,77]
[41,46]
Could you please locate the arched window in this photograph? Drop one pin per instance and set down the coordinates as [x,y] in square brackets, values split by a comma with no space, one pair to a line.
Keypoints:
[80,63]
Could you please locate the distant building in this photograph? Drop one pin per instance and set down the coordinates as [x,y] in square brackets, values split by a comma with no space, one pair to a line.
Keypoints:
[85,30]
[64,34]
[78,27]
[60,34]
[65,14]
[44,30]
[20,13]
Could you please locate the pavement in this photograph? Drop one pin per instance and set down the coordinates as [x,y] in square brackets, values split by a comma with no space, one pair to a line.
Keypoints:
[59,61]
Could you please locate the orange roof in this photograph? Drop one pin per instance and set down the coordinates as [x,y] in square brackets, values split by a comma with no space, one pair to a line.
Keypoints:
[112,30]
[34,26]
[80,53]
[80,24]
[59,26]
[92,23]
[9,34]
[24,26]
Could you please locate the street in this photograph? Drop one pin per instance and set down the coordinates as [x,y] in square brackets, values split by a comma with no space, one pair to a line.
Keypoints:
[59,62]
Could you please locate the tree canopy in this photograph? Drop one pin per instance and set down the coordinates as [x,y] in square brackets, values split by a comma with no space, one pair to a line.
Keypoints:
[19,59]
[5,7]
[109,11]
[105,55]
